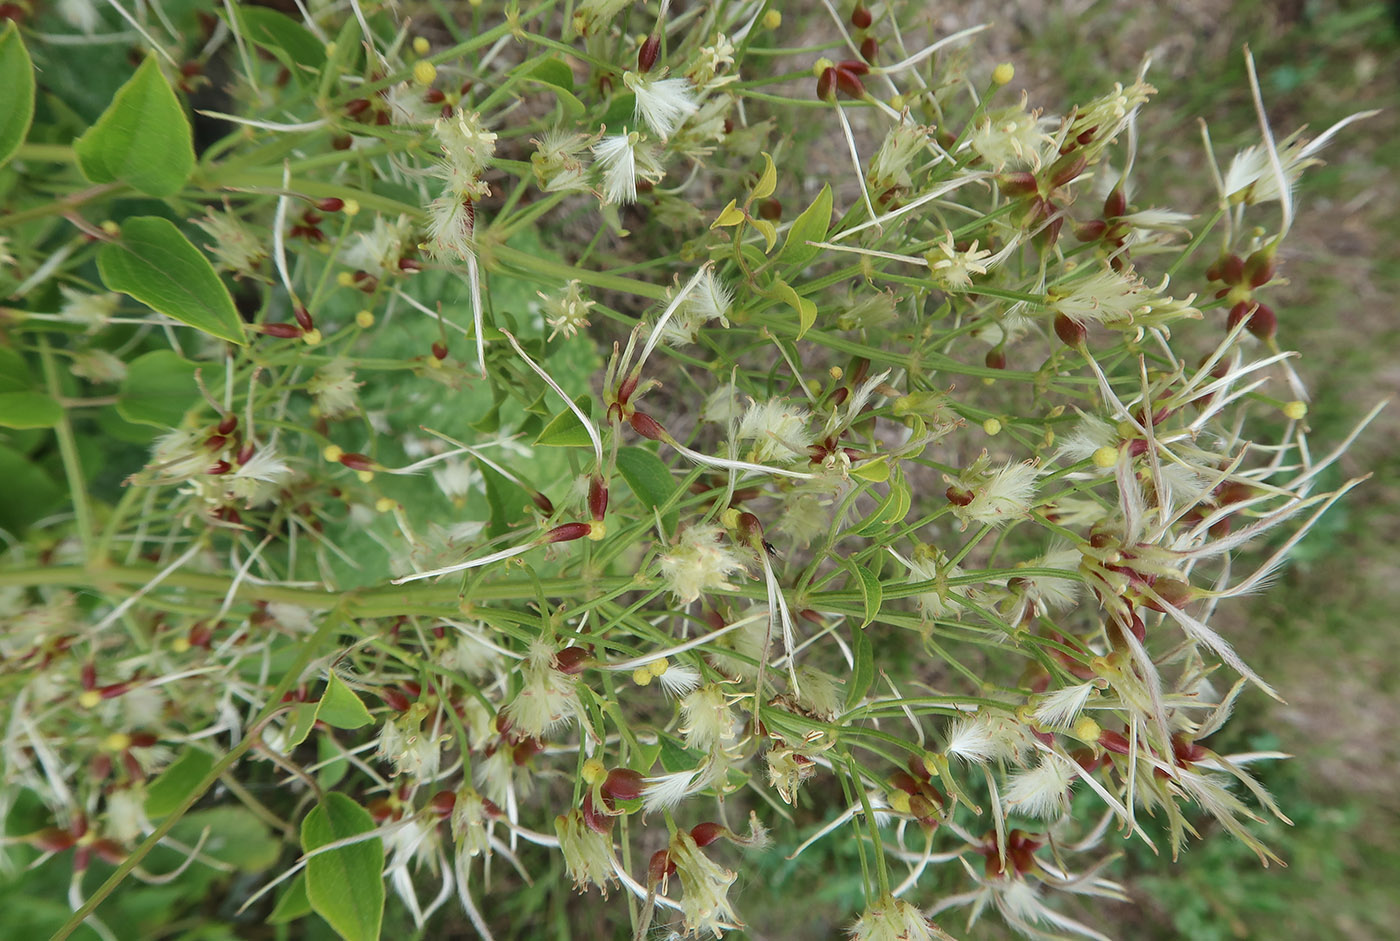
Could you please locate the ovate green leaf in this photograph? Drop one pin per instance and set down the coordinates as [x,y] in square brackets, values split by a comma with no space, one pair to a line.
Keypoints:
[159,267]
[863,675]
[345,885]
[340,707]
[29,409]
[872,595]
[143,138]
[565,430]
[810,226]
[17,102]
[157,389]
[292,904]
[649,478]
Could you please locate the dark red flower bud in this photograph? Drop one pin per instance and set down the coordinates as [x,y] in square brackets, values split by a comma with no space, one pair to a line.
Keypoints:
[826,82]
[51,839]
[1114,742]
[303,317]
[410,266]
[356,461]
[1116,204]
[1090,231]
[1187,752]
[542,503]
[958,496]
[846,81]
[623,784]
[1070,331]
[215,443]
[1066,169]
[342,142]
[285,331]
[905,782]
[1263,323]
[1259,268]
[860,17]
[568,532]
[571,660]
[659,867]
[595,819]
[439,350]
[869,48]
[1018,183]
[854,66]
[356,106]
[526,750]
[442,803]
[770,209]
[143,739]
[1232,271]
[218,468]
[434,96]
[647,427]
[646,55]
[394,699]
[227,424]
[996,359]
[706,833]
[597,497]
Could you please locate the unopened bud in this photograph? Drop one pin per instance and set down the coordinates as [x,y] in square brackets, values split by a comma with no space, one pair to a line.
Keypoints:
[571,660]
[647,427]
[623,784]
[1003,74]
[424,72]
[1116,204]
[356,461]
[285,331]
[647,54]
[1070,331]
[568,532]
[860,17]
[597,497]
[1295,410]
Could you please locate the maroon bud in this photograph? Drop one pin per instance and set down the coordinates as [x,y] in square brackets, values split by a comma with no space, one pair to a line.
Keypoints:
[568,532]
[303,317]
[854,66]
[959,496]
[1018,183]
[356,461]
[1065,170]
[597,497]
[825,82]
[101,767]
[1187,752]
[1259,268]
[356,106]
[215,443]
[439,350]
[596,820]
[646,55]
[1216,271]
[869,48]
[846,81]
[1114,742]
[860,17]
[1232,271]
[51,839]
[625,388]
[1090,231]
[770,209]
[1262,321]
[410,265]
[542,503]
[1116,204]
[526,750]
[200,635]
[647,427]
[330,204]
[219,467]
[246,452]
[1173,591]
[996,359]
[624,785]
[660,867]
[571,660]
[285,331]
[434,96]
[1070,331]
[144,739]
[905,782]
[750,527]
[442,803]
[706,833]
[342,142]
[227,424]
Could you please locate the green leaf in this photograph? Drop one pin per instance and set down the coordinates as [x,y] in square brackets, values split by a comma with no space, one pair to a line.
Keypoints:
[284,37]
[345,885]
[332,761]
[565,430]
[176,782]
[30,493]
[676,757]
[806,309]
[340,707]
[649,478]
[551,70]
[143,138]
[159,267]
[300,722]
[870,591]
[292,904]
[810,226]
[767,180]
[863,674]
[29,409]
[875,471]
[236,837]
[14,372]
[158,388]
[17,78]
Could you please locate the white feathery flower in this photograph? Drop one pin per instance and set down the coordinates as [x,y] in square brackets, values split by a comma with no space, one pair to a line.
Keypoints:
[468,824]
[666,791]
[451,227]
[624,159]
[952,268]
[1119,298]
[98,366]
[787,771]
[465,143]
[662,103]
[1089,435]
[709,300]
[456,479]
[698,563]
[1042,791]
[559,161]
[1061,708]
[925,564]
[820,693]
[707,722]
[901,149]
[987,737]
[125,815]
[722,406]
[333,386]
[378,251]
[549,697]
[588,855]
[234,245]
[1011,137]
[259,480]
[679,679]
[84,307]
[1047,592]
[179,455]
[984,495]
[778,430]
[407,105]
[411,750]
[80,14]
[568,312]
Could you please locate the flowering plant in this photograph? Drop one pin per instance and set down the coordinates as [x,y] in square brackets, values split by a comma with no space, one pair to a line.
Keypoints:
[599,436]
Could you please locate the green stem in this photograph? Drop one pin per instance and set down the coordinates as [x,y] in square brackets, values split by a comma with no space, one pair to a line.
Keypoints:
[68,451]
